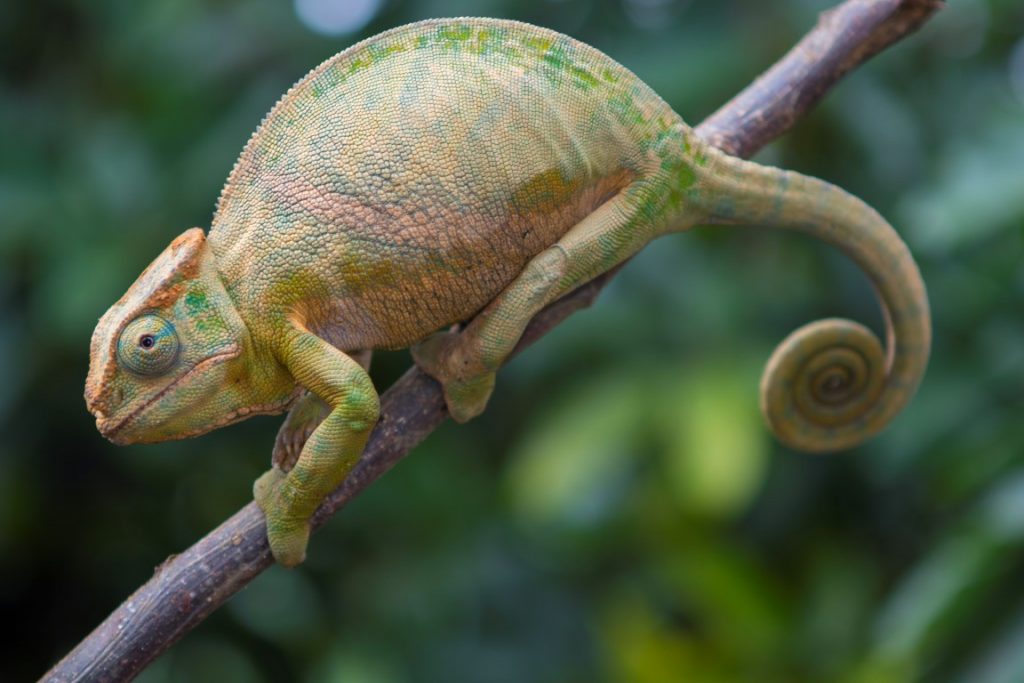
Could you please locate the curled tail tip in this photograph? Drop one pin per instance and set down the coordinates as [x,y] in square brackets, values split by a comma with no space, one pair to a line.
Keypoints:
[825,388]
[832,384]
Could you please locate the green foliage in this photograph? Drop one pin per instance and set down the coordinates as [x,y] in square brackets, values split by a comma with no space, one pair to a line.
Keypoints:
[619,513]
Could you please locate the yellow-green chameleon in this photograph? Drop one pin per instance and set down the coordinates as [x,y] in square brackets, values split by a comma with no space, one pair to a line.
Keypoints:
[459,171]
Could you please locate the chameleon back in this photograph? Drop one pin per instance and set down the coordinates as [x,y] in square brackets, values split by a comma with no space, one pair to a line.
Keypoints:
[406,181]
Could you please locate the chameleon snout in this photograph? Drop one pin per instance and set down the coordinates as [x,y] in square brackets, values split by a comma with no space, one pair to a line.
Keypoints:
[103,406]
[96,404]
[104,422]
[110,427]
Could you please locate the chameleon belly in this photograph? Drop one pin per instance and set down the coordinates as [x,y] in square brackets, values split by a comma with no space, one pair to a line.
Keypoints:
[404,197]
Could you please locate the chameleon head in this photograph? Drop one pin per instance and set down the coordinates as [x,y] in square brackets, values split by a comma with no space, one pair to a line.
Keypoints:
[167,360]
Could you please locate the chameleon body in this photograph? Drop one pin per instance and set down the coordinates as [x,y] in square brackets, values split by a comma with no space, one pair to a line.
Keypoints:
[459,171]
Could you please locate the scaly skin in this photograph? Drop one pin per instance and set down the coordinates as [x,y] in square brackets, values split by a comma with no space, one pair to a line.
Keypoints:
[459,171]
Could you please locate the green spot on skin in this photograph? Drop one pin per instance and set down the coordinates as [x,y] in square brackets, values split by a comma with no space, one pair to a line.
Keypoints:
[681,176]
[210,325]
[484,43]
[686,176]
[455,33]
[556,57]
[194,301]
[536,44]
[584,78]
[358,64]
[625,109]
[392,49]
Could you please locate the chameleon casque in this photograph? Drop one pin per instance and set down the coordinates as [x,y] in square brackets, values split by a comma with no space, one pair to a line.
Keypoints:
[460,171]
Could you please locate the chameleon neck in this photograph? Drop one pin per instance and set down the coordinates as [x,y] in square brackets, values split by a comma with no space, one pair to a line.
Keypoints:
[830,384]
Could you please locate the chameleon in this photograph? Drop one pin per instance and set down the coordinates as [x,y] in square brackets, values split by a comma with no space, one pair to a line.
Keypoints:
[434,187]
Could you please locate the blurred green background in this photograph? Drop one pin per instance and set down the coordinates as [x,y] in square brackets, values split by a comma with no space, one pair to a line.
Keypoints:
[619,513]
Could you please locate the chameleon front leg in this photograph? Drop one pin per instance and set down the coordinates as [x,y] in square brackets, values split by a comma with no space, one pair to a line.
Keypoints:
[289,499]
[465,362]
[305,415]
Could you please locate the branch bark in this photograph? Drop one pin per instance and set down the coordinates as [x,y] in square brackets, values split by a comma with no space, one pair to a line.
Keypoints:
[187,588]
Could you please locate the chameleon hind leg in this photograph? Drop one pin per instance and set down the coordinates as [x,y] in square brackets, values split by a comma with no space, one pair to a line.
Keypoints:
[465,362]
[288,500]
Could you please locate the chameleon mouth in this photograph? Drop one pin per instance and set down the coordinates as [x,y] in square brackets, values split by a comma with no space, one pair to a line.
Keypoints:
[111,431]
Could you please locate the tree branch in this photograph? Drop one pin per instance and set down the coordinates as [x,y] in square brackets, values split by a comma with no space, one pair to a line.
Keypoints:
[845,37]
[188,587]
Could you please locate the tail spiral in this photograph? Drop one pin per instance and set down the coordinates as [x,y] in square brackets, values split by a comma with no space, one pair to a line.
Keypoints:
[831,384]
[820,384]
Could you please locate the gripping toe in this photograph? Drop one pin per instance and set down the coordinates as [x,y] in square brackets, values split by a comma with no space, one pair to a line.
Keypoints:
[287,534]
[466,388]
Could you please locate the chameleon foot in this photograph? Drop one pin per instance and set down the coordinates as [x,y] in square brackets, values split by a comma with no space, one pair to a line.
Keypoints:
[304,417]
[465,392]
[287,534]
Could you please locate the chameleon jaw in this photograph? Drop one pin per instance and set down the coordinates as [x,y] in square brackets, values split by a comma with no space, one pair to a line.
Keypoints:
[111,432]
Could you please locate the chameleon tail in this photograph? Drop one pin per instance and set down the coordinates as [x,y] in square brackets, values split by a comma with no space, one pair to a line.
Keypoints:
[830,385]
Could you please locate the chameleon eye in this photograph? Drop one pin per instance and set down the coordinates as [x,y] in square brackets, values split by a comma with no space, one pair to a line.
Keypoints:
[148,345]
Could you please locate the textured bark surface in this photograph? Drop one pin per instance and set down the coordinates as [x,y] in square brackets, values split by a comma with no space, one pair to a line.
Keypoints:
[188,587]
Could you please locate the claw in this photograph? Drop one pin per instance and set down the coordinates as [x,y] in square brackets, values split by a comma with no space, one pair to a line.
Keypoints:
[304,417]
